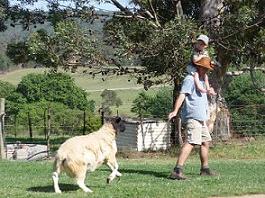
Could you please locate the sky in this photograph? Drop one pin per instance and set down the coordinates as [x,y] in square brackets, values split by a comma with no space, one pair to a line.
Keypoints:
[41,4]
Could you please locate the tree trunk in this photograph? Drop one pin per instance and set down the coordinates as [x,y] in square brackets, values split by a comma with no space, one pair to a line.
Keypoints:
[219,114]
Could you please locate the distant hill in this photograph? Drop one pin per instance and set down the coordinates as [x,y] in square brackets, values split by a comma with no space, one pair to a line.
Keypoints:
[13,34]
[16,33]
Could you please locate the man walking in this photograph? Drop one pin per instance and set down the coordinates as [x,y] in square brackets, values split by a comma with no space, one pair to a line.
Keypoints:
[195,114]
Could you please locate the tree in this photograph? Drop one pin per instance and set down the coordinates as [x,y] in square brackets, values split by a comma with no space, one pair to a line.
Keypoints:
[3,14]
[233,26]
[109,98]
[5,62]
[57,87]
[67,48]
[18,52]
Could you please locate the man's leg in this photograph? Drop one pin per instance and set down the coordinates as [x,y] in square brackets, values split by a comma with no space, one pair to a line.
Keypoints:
[204,150]
[205,170]
[184,154]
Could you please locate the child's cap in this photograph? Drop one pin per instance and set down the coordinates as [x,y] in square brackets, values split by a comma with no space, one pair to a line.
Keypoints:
[203,38]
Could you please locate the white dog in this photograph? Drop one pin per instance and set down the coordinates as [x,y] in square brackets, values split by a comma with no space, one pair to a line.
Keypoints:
[85,153]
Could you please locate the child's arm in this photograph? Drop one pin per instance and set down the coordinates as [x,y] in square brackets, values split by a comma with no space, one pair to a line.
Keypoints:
[209,89]
[206,81]
[198,84]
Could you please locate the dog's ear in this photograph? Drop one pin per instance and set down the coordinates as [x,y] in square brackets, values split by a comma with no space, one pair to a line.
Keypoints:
[118,124]
[117,119]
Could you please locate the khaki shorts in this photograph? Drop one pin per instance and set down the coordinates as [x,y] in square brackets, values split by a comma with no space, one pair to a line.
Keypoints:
[197,132]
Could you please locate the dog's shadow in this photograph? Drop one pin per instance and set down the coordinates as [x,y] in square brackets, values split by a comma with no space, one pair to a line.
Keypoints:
[63,187]
[49,188]
[73,187]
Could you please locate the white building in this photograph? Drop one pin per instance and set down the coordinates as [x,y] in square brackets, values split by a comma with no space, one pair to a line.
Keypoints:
[150,134]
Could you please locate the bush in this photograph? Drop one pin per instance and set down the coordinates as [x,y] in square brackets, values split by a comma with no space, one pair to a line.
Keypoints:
[247,105]
[6,89]
[155,106]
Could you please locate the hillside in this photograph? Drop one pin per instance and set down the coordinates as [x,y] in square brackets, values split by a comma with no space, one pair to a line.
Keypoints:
[126,90]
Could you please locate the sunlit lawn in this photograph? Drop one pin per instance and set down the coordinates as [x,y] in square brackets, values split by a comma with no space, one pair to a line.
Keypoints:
[141,178]
[240,165]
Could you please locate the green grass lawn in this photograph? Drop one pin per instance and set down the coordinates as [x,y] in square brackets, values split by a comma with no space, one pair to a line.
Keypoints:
[240,166]
[141,178]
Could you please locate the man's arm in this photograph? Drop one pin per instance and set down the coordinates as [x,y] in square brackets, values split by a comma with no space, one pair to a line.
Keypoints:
[178,104]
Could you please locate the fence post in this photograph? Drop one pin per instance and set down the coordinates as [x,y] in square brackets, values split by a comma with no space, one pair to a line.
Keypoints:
[30,126]
[45,124]
[2,113]
[84,123]
[48,130]
[15,129]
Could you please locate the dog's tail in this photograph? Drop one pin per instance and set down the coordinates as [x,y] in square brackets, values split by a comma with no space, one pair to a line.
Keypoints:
[58,164]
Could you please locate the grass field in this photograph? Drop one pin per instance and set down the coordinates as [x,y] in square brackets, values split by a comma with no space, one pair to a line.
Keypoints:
[240,165]
[126,90]
[141,178]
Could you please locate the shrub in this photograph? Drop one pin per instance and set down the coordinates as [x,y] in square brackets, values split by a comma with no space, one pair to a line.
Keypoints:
[247,105]
[156,106]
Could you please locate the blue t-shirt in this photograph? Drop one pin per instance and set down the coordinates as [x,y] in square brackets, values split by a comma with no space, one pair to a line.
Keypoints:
[196,103]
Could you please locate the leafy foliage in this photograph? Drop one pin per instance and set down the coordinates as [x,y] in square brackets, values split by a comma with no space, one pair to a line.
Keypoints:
[247,105]
[5,62]
[18,52]
[6,89]
[109,98]
[54,88]
[3,7]
[154,106]
[68,47]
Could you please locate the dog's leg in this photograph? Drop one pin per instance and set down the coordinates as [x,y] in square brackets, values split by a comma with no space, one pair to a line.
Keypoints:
[113,165]
[55,177]
[80,180]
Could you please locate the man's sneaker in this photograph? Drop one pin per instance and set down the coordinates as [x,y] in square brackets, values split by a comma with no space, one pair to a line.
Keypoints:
[177,176]
[207,172]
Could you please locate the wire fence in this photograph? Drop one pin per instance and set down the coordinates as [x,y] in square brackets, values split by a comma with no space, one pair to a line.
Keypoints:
[248,120]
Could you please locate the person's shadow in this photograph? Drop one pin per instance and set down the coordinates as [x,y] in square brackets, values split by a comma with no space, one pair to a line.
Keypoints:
[158,174]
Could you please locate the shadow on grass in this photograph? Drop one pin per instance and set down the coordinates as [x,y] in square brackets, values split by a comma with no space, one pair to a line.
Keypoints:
[63,188]
[49,188]
[145,172]
[150,172]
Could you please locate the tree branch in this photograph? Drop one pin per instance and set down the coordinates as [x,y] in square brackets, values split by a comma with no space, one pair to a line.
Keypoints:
[261,20]
[156,19]
[121,7]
